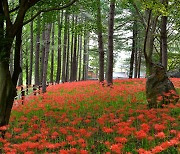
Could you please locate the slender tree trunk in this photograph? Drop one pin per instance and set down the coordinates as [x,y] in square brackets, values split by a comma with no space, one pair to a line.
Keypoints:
[60,20]
[52,56]
[11,62]
[164,44]
[74,62]
[65,48]
[26,65]
[17,67]
[110,42]
[80,56]
[72,48]
[42,54]
[149,41]
[100,42]
[67,62]
[31,55]
[139,63]
[85,57]
[47,45]
[135,50]
[37,52]
[20,80]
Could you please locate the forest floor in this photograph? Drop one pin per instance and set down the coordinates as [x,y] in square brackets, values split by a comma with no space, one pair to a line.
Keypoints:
[87,118]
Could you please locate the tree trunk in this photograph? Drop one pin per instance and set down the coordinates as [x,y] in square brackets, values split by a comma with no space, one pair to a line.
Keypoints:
[139,64]
[164,44]
[20,80]
[72,48]
[52,56]
[135,50]
[46,55]
[26,65]
[65,48]
[37,52]
[149,41]
[60,20]
[7,93]
[17,67]
[110,42]
[31,55]
[85,57]
[42,53]
[67,62]
[74,62]
[80,56]
[100,42]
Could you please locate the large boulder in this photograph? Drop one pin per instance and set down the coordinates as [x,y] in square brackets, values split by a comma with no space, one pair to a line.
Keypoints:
[159,89]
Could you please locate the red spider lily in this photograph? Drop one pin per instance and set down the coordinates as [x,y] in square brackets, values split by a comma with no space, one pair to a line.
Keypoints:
[141,134]
[159,127]
[160,135]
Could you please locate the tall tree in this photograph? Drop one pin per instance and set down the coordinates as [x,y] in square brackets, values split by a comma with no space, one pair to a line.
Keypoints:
[65,47]
[85,57]
[60,20]
[52,56]
[100,42]
[164,44]
[37,52]
[110,42]
[42,54]
[80,57]
[74,60]
[31,49]
[46,56]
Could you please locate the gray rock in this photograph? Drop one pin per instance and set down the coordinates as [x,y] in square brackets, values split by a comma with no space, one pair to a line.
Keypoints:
[159,89]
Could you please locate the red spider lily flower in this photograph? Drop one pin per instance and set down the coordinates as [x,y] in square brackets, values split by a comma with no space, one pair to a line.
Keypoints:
[141,134]
[120,139]
[63,152]
[83,152]
[145,127]
[54,135]
[69,138]
[29,152]
[157,149]
[107,143]
[107,130]
[142,151]
[160,135]
[3,128]
[73,151]
[116,148]
[159,127]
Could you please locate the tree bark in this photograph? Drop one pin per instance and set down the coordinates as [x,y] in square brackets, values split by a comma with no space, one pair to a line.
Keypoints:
[74,62]
[20,80]
[164,44]
[46,55]
[52,57]
[37,52]
[64,48]
[85,57]
[17,67]
[100,42]
[110,42]
[42,54]
[80,57]
[67,63]
[60,20]
[31,55]
[72,48]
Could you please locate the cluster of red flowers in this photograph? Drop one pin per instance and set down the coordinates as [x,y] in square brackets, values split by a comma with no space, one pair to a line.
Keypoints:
[86,117]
